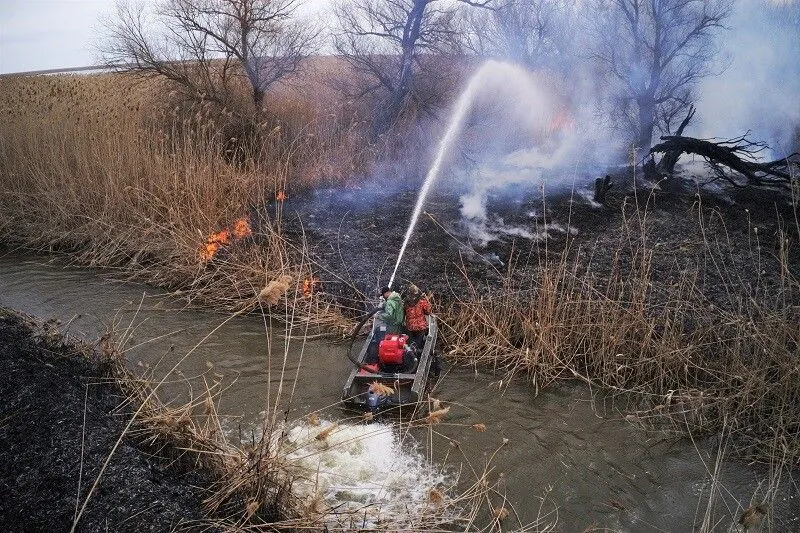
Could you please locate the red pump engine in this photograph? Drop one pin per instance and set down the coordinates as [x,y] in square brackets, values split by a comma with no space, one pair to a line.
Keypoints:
[391,349]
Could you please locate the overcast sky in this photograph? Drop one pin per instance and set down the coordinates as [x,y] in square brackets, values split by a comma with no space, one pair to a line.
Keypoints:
[46,34]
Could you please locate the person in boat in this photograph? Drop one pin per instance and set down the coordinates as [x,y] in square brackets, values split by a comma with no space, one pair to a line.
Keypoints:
[392,313]
[416,308]
[390,319]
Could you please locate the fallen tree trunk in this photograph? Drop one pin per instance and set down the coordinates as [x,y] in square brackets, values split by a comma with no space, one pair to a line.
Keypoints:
[670,158]
[734,156]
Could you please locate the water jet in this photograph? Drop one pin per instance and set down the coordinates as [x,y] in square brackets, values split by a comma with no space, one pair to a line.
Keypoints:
[510,79]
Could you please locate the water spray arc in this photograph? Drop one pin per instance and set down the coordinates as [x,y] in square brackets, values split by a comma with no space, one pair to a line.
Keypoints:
[456,120]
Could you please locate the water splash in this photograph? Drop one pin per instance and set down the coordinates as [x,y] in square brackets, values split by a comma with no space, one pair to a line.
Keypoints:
[361,471]
[511,80]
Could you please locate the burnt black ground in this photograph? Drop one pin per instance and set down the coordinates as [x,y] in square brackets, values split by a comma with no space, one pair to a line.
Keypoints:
[731,237]
[44,384]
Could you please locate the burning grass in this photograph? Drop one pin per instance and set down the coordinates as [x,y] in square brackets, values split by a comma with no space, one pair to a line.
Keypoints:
[122,174]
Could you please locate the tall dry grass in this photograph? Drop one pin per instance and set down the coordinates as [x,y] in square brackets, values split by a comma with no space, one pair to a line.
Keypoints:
[121,173]
[678,357]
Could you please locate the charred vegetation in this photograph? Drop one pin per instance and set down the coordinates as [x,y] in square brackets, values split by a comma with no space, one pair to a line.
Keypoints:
[734,160]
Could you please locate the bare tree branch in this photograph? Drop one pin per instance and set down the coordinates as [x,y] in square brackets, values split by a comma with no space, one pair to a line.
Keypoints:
[385,42]
[739,155]
[533,33]
[657,51]
[203,45]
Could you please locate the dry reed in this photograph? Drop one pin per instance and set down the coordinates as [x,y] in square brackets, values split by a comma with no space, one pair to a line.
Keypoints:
[674,355]
[123,174]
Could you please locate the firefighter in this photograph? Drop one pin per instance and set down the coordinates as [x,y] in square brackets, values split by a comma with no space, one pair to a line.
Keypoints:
[392,312]
[416,308]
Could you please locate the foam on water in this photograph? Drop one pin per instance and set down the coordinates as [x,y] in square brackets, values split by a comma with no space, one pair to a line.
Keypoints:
[363,472]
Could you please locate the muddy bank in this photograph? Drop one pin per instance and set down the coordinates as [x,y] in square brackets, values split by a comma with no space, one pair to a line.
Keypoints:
[59,419]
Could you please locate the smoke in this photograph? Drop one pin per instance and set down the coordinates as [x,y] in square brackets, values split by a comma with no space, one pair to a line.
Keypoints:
[555,132]
[523,134]
[760,90]
[558,131]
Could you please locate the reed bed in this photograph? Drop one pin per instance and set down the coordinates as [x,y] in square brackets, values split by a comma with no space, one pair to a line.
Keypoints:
[123,174]
[677,356]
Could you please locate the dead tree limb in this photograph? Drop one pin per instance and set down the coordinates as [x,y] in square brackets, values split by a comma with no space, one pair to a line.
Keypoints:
[667,163]
[733,159]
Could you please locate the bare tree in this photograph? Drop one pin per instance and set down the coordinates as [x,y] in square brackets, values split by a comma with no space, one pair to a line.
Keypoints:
[534,33]
[656,51]
[204,45]
[387,42]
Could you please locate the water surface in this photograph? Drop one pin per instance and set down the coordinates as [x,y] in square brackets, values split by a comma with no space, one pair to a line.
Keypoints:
[562,455]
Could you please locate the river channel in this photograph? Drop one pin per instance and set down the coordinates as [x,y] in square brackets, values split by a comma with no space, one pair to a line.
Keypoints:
[564,455]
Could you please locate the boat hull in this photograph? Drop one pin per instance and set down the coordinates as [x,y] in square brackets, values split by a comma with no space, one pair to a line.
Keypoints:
[408,388]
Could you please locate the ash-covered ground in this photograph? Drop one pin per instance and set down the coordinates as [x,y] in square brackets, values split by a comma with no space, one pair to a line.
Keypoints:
[60,417]
[733,237]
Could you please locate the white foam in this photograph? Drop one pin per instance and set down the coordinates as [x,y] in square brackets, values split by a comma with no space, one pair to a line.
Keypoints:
[364,472]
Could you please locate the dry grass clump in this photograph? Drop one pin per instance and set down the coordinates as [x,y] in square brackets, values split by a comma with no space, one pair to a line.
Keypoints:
[275,289]
[120,173]
[380,389]
[676,354]
[250,484]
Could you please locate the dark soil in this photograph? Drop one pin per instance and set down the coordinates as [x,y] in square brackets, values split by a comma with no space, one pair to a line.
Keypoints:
[59,419]
[730,237]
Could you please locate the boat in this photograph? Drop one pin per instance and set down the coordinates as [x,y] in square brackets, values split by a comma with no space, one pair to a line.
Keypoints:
[377,387]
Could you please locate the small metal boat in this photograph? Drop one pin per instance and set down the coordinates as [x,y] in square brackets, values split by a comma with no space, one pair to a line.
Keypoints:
[375,387]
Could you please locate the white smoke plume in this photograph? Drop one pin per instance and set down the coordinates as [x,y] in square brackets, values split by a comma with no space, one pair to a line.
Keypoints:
[759,91]
[522,131]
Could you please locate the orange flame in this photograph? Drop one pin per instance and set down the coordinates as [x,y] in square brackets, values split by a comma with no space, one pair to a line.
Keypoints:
[309,285]
[561,121]
[239,230]
[281,196]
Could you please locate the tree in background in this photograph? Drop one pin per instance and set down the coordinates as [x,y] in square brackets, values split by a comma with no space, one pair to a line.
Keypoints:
[206,45]
[537,34]
[386,42]
[655,51]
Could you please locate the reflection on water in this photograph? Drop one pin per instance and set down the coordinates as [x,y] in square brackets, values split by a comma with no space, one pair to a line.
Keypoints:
[553,455]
